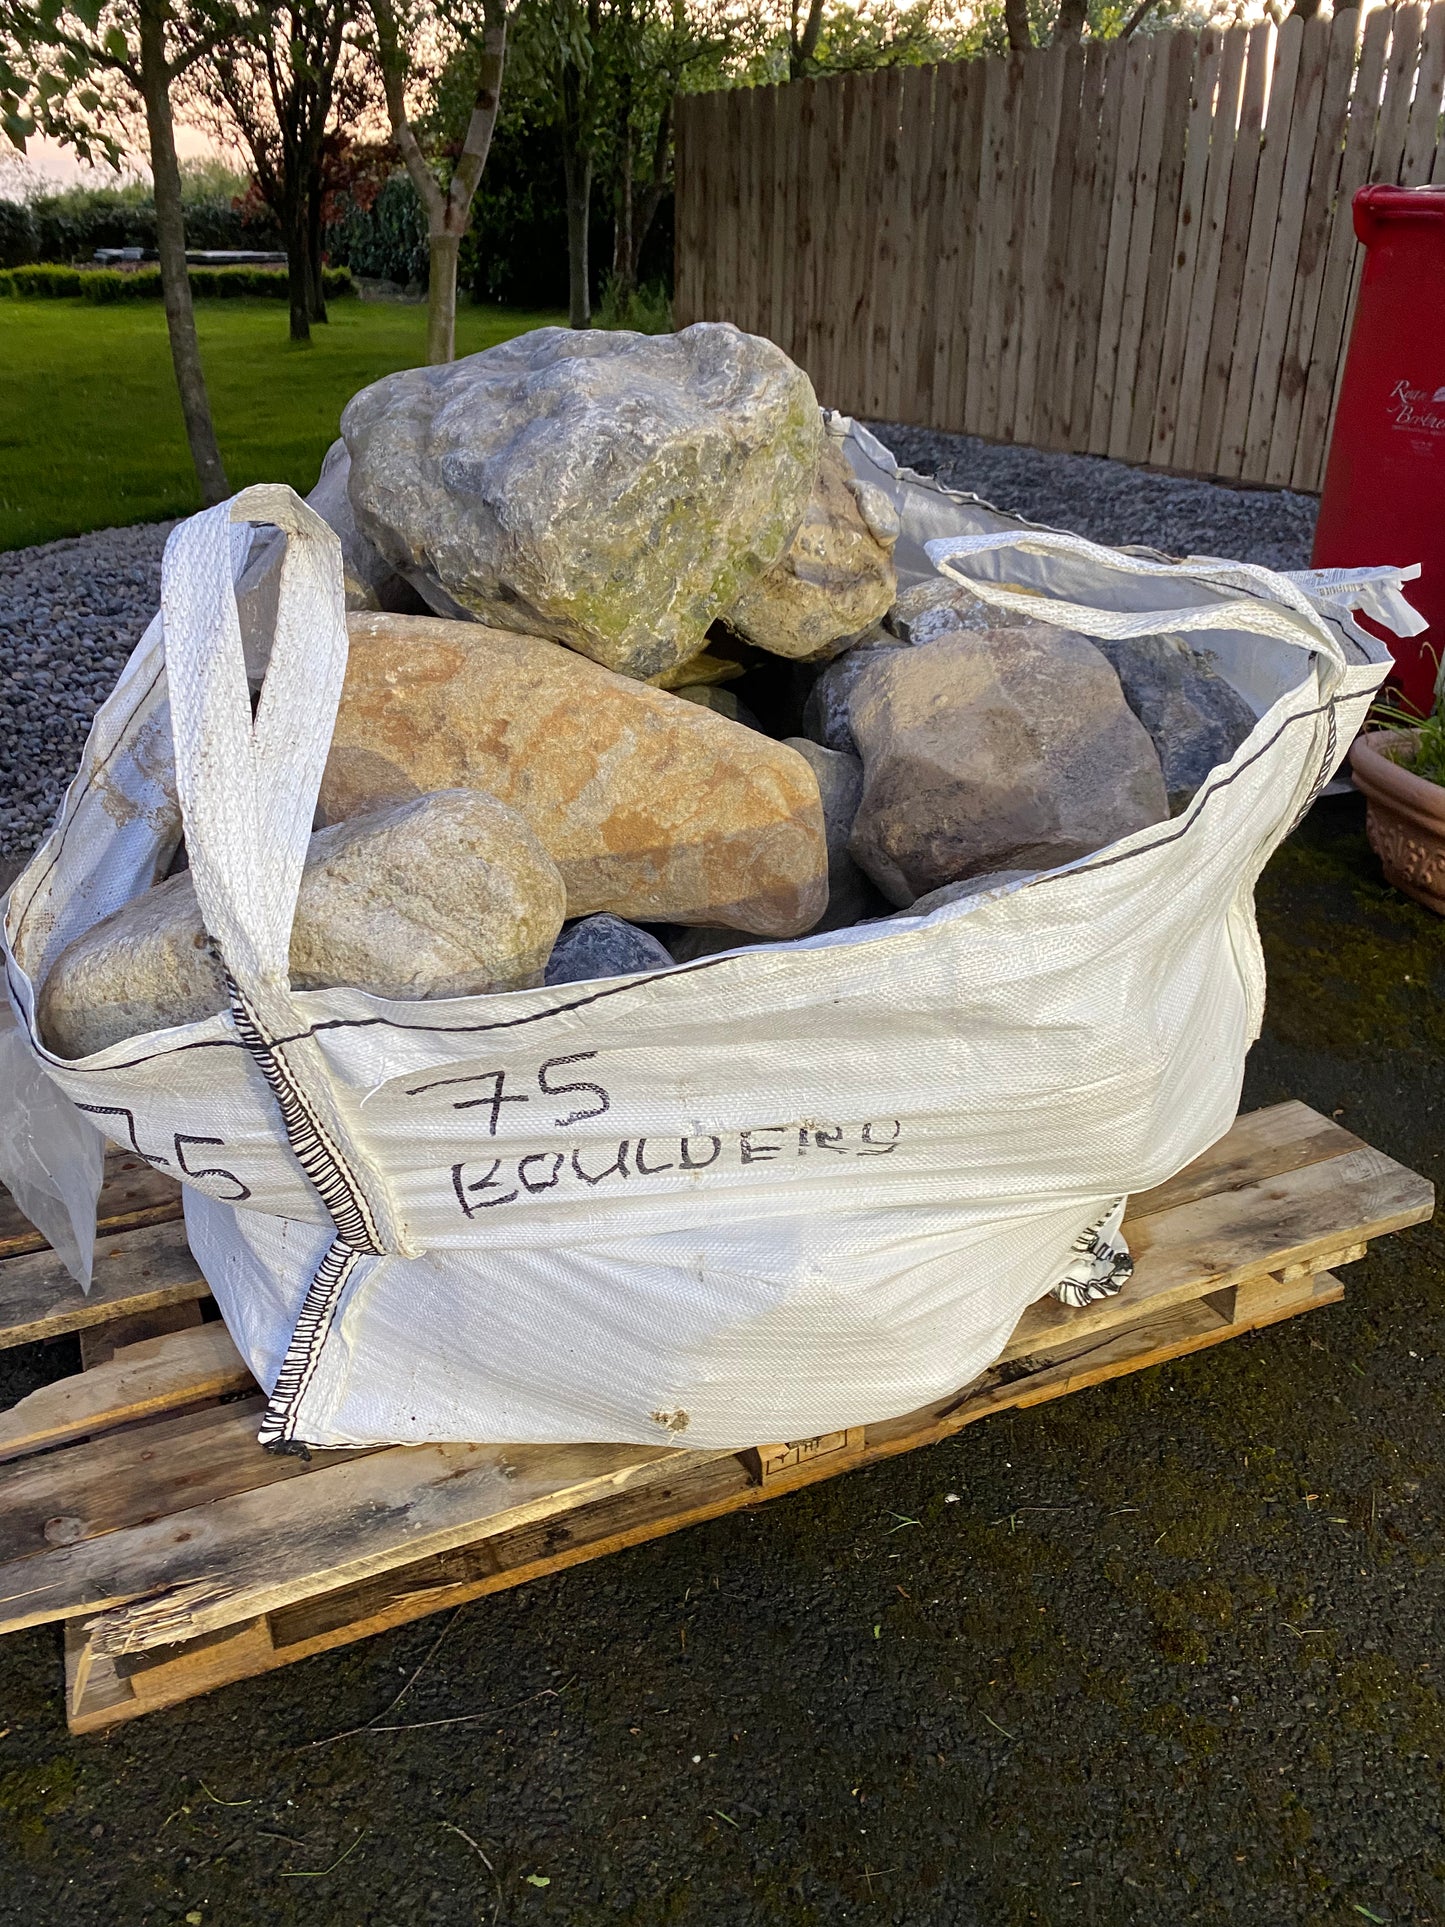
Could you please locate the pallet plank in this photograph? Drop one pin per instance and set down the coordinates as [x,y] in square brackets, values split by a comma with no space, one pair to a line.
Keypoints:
[159,1375]
[150,1471]
[132,1193]
[134,1271]
[104,1689]
[215,1565]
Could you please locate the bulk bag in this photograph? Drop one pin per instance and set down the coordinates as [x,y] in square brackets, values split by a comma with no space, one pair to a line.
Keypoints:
[760,1196]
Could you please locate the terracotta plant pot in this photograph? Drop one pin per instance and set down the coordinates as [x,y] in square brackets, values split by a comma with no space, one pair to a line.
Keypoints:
[1405,821]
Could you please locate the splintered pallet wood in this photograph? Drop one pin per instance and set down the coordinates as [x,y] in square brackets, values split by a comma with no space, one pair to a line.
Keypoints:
[138,1509]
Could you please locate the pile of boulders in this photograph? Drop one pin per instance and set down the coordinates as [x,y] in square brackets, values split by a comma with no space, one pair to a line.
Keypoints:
[631,681]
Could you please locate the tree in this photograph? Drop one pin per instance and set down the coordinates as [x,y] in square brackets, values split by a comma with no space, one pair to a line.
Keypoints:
[74,72]
[282,94]
[654,49]
[483,52]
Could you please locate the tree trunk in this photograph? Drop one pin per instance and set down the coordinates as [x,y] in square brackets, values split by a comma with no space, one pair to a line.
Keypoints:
[578,171]
[441,297]
[315,286]
[298,272]
[171,246]
[624,250]
[1016,19]
[1069,26]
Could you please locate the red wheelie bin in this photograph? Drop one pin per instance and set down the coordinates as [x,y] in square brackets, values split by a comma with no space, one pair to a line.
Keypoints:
[1384,493]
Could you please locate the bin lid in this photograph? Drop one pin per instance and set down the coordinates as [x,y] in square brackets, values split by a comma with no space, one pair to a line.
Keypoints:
[1382,202]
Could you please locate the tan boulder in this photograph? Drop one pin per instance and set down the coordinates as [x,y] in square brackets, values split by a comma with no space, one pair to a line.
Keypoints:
[836,578]
[653,808]
[446,895]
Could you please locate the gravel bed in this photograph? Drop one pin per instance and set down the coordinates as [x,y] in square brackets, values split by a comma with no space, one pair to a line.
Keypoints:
[70,612]
[1110,502]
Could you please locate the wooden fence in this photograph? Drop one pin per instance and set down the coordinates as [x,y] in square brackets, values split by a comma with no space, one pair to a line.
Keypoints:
[1133,248]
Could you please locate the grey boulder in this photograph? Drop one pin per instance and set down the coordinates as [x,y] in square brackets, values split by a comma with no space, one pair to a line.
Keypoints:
[930,609]
[1195,719]
[840,785]
[616,492]
[603,946]
[825,713]
[836,579]
[448,895]
[368,579]
[1006,749]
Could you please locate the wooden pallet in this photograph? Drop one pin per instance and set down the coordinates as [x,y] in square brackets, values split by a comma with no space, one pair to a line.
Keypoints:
[138,1508]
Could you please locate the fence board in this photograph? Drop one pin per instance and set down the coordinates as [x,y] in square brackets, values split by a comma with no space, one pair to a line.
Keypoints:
[1189,228]
[820,189]
[1420,138]
[1200,317]
[1263,224]
[971,123]
[1042,141]
[1081,250]
[1116,260]
[1164,58]
[1335,303]
[1138,248]
[1049,424]
[908,292]
[1263,390]
[1324,180]
[886,219]
[1233,252]
[1089,318]
[1179,88]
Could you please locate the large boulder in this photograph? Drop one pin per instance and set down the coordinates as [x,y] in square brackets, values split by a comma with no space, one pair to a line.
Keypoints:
[653,808]
[613,491]
[1007,749]
[446,895]
[840,785]
[836,579]
[368,579]
[1195,719]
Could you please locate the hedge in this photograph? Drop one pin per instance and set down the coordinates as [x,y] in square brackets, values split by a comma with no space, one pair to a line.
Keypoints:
[107,285]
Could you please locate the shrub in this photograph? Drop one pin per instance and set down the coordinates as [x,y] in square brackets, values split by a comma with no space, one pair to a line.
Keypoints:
[104,286]
[18,239]
[72,224]
[387,241]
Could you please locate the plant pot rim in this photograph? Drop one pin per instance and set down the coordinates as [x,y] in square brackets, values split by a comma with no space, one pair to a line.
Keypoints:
[1385,781]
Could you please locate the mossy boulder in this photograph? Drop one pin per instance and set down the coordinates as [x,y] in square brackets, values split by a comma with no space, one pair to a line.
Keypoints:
[615,492]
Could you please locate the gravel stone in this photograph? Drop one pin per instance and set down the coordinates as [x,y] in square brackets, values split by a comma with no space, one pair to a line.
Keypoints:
[1111,502]
[70,614]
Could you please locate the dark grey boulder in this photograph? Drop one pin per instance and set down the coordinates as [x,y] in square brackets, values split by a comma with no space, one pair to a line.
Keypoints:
[603,946]
[825,713]
[840,785]
[1195,719]
[1006,749]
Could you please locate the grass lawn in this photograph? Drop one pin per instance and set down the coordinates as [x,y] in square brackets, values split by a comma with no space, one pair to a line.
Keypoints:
[90,427]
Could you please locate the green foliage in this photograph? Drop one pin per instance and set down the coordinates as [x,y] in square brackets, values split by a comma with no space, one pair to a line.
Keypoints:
[71,225]
[386,241]
[91,435]
[19,240]
[104,287]
[646,311]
